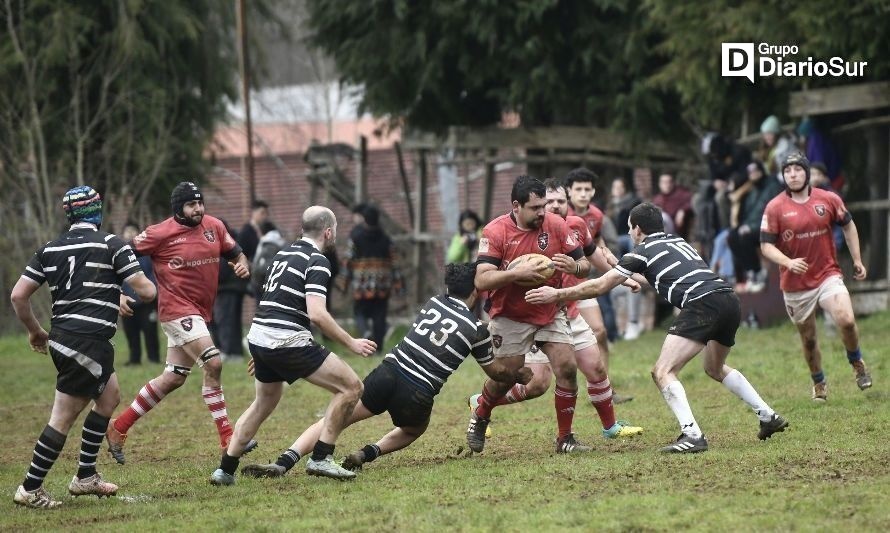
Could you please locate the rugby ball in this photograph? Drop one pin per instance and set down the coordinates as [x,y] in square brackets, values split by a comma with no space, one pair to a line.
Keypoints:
[544,265]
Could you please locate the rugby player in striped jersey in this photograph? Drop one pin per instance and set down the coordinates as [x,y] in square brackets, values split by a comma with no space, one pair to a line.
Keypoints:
[708,320]
[84,269]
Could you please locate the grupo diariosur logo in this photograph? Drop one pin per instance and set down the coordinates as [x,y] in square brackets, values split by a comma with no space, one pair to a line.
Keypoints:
[738,60]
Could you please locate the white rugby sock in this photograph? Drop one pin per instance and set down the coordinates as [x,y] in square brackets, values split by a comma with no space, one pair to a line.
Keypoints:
[736,382]
[675,396]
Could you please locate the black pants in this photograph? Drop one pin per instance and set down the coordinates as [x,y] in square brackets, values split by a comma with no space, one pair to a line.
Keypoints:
[744,251]
[373,311]
[226,327]
[143,322]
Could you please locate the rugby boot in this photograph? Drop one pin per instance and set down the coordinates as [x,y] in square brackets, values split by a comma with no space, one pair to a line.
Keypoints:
[91,485]
[35,499]
[328,468]
[863,378]
[569,444]
[687,444]
[775,425]
[473,402]
[476,432]
[116,442]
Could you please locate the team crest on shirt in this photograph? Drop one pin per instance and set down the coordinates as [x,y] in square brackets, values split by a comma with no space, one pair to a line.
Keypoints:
[208,234]
[186,324]
[496,341]
[577,235]
[543,240]
[483,245]
[820,210]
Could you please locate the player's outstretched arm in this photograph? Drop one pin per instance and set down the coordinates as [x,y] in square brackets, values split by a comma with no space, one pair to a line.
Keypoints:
[851,236]
[589,289]
[319,315]
[21,304]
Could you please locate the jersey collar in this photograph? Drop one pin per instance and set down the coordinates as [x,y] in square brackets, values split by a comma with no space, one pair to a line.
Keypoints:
[83,225]
[657,234]
[458,301]
[311,242]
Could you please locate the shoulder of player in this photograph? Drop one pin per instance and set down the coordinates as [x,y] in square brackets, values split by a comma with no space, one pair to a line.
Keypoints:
[823,195]
[576,222]
[555,221]
[499,222]
[594,211]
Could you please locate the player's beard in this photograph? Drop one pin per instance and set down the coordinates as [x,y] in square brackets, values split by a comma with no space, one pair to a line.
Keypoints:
[800,189]
[536,222]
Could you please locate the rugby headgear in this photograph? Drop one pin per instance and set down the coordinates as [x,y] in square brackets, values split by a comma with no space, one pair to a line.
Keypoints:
[796,158]
[83,204]
[183,193]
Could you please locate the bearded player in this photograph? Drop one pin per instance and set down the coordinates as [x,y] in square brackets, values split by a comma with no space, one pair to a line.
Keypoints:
[796,234]
[587,356]
[185,251]
[516,326]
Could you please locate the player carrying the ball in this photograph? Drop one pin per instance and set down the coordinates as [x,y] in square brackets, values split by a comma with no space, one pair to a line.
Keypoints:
[708,321]
[516,325]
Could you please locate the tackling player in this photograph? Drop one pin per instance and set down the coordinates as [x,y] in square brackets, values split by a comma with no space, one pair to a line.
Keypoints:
[709,318]
[405,384]
[84,269]
[796,234]
[515,325]
[185,252]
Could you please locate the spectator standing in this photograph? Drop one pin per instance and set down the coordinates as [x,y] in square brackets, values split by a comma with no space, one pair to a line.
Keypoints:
[774,146]
[226,326]
[372,275]
[144,320]
[675,201]
[621,201]
[464,244]
[252,231]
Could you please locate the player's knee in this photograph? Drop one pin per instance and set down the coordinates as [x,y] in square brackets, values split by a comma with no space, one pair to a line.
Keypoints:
[354,389]
[659,372]
[174,376]
[714,371]
[845,321]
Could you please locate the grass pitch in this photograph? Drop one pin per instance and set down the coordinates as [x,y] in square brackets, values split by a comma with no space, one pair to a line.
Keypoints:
[828,471]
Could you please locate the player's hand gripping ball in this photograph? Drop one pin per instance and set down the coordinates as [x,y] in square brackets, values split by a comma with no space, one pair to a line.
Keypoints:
[541,264]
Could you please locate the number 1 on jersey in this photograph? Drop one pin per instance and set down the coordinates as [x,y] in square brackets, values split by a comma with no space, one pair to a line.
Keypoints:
[70,271]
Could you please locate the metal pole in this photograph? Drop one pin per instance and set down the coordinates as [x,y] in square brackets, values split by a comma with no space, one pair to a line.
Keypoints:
[244,67]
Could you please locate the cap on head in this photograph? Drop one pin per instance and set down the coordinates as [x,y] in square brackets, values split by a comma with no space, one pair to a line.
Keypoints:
[771,125]
[83,204]
[183,193]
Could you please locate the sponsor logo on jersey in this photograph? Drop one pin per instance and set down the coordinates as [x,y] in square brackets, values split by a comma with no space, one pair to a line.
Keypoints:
[186,324]
[177,241]
[543,240]
[787,235]
[789,214]
[820,210]
[208,234]
[178,262]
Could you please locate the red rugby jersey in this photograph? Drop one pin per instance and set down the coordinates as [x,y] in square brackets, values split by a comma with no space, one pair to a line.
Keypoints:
[582,235]
[804,230]
[593,217]
[503,241]
[186,264]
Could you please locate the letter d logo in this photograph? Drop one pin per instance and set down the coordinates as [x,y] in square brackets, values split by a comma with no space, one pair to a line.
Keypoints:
[737,60]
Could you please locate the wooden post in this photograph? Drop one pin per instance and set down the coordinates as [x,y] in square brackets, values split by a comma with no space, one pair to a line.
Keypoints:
[244,64]
[404,175]
[489,187]
[420,227]
[361,180]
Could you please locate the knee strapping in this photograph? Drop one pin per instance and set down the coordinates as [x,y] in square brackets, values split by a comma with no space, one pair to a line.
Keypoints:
[207,355]
[179,370]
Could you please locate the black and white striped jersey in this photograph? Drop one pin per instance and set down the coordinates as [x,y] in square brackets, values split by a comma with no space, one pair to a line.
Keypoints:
[444,333]
[84,269]
[673,268]
[296,271]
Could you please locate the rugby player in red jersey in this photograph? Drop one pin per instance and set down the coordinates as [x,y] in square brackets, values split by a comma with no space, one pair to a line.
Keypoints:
[587,356]
[185,251]
[796,234]
[581,184]
[515,325]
